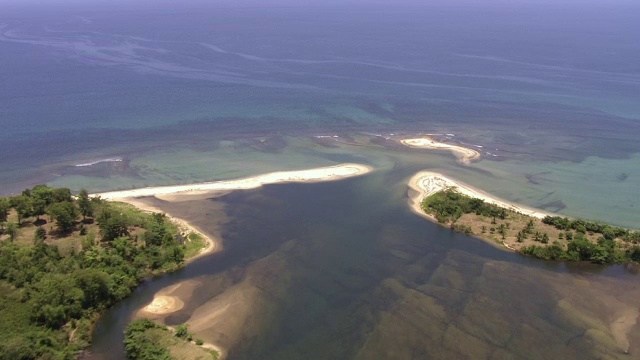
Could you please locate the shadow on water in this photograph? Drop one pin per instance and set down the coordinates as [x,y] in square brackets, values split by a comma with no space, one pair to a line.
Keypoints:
[343,270]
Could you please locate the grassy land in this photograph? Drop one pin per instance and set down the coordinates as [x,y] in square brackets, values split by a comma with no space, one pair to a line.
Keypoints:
[194,243]
[181,349]
[147,340]
[513,224]
[550,238]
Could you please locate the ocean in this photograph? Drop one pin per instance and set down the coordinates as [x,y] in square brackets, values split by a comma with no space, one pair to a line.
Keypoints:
[119,95]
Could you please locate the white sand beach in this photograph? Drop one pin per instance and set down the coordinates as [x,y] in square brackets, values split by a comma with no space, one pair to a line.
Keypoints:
[173,192]
[329,173]
[426,183]
[464,155]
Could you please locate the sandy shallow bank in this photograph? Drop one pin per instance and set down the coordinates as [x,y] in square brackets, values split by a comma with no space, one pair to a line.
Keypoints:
[426,183]
[163,304]
[464,155]
[328,173]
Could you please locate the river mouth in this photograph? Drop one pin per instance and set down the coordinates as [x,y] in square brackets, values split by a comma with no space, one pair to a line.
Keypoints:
[344,270]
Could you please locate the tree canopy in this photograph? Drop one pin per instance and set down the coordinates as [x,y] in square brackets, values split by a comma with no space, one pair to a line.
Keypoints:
[45,294]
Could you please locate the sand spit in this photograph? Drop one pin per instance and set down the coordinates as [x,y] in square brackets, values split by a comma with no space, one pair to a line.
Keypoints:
[172,193]
[426,183]
[464,155]
[169,299]
[329,173]
[163,304]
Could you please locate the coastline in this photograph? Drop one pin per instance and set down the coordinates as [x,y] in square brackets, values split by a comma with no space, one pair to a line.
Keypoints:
[213,244]
[165,302]
[171,192]
[328,173]
[464,155]
[427,183]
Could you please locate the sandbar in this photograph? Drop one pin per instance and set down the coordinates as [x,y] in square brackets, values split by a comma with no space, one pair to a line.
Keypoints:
[426,183]
[329,173]
[163,304]
[464,155]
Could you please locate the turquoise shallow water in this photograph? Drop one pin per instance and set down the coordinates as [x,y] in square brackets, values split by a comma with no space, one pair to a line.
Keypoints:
[81,83]
[594,188]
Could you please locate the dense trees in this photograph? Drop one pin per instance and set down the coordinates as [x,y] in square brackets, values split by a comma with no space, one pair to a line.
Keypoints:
[84,204]
[449,205]
[583,226]
[22,205]
[604,251]
[139,345]
[45,295]
[11,229]
[4,209]
[113,224]
[64,214]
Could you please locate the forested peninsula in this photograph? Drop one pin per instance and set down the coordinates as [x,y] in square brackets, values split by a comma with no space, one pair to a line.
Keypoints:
[64,259]
[550,238]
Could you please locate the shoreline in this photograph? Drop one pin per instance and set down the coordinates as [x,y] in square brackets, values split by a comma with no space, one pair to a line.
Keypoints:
[213,244]
[321,174]
[426,183]
[328,173]
[163,302]
[465,155]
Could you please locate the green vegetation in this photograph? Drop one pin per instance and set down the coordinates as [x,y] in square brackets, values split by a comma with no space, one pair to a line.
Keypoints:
[54,283]
[147,340]
[603,251]
[583,226]
[140,344]
[194,245]
[577,239]
[449,205]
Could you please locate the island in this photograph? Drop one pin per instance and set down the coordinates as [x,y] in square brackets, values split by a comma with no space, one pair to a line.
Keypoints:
[518,228]
[463,154]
